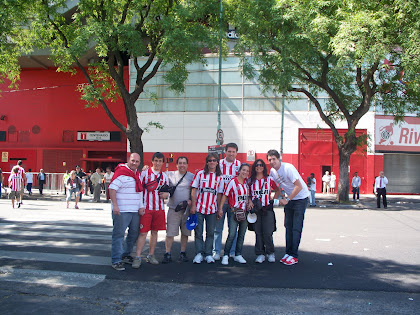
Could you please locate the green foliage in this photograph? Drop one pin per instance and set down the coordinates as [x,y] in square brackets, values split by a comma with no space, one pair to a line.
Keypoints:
[337,47]
[168,32]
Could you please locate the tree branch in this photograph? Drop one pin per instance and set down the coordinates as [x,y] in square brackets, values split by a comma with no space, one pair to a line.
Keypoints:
[324,117]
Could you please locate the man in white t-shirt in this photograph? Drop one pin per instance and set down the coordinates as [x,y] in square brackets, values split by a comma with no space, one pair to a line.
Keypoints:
[125,191]
[286,175]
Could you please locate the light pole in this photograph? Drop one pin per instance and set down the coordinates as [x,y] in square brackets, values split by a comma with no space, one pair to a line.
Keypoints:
[219,104]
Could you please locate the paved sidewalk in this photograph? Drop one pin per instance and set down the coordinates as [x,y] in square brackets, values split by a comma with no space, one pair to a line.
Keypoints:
[367,201]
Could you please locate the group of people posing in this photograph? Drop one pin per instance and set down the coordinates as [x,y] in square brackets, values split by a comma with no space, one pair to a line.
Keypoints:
[223,189]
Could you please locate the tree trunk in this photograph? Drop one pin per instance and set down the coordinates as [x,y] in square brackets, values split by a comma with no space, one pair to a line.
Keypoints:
[134,133]
[343,180]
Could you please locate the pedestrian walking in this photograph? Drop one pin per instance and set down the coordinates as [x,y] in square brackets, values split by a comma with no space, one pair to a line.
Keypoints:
[107,179]
[380,189]
[29,181]
[42,178]
[96,179]
[74,186]
[15,184]
[355,184]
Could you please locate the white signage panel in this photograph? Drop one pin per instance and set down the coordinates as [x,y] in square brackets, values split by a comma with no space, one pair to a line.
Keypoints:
[93,136]
[391,136]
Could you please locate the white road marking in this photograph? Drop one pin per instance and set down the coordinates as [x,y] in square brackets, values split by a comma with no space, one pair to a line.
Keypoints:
[52,278]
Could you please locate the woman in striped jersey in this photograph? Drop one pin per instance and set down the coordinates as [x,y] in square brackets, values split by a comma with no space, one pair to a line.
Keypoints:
[261,186]
[237,193]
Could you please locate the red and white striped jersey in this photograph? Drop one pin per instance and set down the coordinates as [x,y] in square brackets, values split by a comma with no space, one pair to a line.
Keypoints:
[267,184]
[229,169]
[208,185]
[21,172]
[15,182]
[237,193]
[152,201]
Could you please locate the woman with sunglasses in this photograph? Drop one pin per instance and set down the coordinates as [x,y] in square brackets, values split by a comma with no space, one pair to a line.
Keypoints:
[237,193]
[206,185]
[261,186]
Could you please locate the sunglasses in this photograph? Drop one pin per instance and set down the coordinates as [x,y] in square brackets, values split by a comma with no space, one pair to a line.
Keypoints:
[213,160]
[261,165]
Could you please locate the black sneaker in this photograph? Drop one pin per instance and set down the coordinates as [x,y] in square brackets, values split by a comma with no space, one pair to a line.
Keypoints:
[183,257]
[118,266]
[19,204]
[166,258]
[127,260]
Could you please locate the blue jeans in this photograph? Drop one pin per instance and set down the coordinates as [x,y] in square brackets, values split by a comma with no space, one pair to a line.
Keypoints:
[234,233]
[121,222]
[355,192]
[218,232]
[313,198]
[202,247]
[294,214]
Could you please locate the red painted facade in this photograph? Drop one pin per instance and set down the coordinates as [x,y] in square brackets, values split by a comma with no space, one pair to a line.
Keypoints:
[41,118]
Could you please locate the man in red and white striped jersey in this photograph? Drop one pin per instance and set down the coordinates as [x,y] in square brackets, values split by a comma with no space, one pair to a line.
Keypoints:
[205,196]
[22,175]
[153,219]
[15,184]
[229,167]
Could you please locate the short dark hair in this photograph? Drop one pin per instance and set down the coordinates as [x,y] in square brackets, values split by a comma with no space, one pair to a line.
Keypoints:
[19,162]
[181,157]
[312,174]
[158,155]
[273,152]
[231,145]
[30,170]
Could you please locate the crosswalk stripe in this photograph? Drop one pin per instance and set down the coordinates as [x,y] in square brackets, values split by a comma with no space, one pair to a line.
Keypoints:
[52,257]
[54,244]
[57,234]
[50,277]
[36,226]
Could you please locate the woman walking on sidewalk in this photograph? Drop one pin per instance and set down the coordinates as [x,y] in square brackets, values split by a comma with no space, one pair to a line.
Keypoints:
[261,186]
[237,191]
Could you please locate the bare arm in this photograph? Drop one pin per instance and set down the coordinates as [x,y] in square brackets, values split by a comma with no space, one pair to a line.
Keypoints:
[295,191]
[113,197]
[193,200]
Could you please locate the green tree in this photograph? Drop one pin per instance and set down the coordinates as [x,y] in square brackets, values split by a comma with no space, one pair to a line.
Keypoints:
[336,47]
[167,32]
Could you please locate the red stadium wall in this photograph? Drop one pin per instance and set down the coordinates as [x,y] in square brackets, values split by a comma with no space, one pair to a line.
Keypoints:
[42,117]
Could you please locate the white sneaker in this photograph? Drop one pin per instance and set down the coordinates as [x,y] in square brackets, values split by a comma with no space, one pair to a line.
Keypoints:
[260,259]
[198,259]
[209,259]
[271,258]
[239,259]
[225,260]
[216,256]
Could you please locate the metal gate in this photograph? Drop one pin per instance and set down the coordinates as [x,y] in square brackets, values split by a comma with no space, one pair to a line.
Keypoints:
[402,171]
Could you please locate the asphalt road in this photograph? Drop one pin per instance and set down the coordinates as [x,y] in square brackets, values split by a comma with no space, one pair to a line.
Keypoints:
[353,259]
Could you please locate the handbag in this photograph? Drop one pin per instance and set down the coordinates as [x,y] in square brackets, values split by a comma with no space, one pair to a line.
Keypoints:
[240,214]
